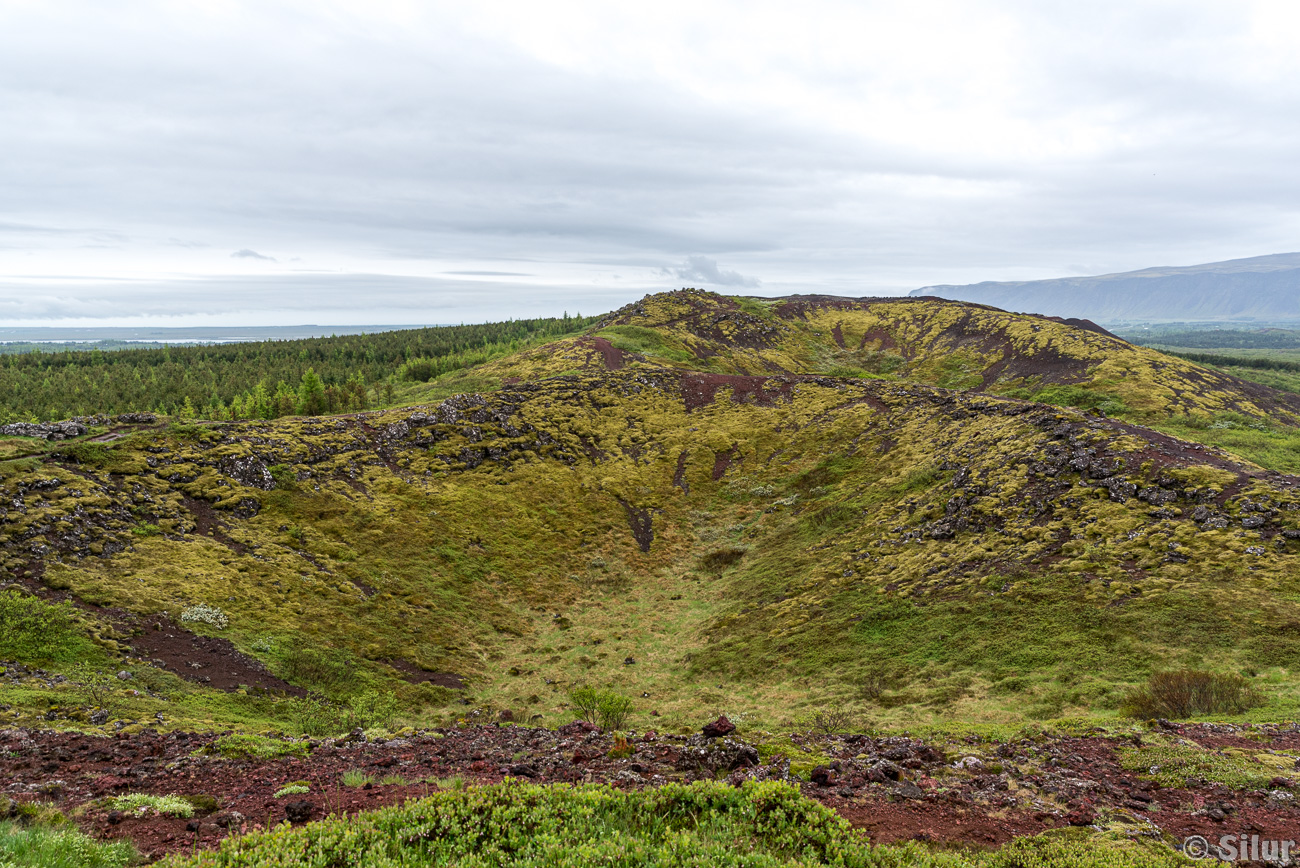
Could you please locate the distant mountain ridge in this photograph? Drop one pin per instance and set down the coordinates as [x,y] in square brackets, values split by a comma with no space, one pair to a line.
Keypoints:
[1260,288]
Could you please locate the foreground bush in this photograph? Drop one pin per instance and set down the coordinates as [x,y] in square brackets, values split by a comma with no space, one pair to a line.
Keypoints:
[1190,692]
[59,847]
[758,825]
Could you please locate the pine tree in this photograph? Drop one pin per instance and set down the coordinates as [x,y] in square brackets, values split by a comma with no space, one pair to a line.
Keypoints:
[311,395]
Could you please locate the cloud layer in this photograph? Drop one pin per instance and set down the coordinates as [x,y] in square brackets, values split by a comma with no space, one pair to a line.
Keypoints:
[516,156]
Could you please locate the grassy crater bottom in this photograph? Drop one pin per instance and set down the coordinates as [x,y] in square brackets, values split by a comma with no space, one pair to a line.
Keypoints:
[757,824]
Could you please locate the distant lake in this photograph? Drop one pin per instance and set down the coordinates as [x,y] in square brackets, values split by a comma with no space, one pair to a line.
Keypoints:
[128,337]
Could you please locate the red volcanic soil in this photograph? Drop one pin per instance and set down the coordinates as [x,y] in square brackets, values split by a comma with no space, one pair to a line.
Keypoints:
[698,390]
[209,660]
[896,789]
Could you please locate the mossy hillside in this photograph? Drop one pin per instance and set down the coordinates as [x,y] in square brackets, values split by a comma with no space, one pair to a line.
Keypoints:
[946,343]
[756,552]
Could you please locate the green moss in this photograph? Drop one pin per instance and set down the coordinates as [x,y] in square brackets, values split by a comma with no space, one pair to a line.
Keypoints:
[240,745]
[1186,764]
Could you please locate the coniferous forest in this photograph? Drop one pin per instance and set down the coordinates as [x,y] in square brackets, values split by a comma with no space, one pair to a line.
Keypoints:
[261,380]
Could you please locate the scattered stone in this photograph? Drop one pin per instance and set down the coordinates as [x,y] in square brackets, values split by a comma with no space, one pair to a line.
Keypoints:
[578,727]
[823,776]
[1081,816]
[718,728]
[44,430]
[909,790]
[299,812]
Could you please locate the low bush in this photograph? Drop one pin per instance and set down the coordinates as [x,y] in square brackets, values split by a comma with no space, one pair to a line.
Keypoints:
[757,825]
[95,688]
[418,370]
[245,746]
[1190,692]
[1078,396]
[603,707]
[317,715]
[371,709]
[327,670]
[832,719]
[32,629]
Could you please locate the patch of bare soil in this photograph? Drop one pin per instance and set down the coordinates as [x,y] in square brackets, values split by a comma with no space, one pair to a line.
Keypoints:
[699,390]
[415,675]
[610,355]
[208,660]
[208,523]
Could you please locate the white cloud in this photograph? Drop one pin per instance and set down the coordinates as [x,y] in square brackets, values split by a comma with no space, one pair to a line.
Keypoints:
[851,147]
[705,270]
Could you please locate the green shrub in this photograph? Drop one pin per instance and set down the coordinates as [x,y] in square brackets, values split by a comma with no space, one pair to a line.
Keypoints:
[1190,692]
[372,709]
[1084,399]
[603,707]
[32,629]
[585,701]
[145,529]
[418,370]
[832,719]
[324,669]
[315,715]
[95,687]
[757,825]
[612,710]
[246,746]
[761,825]
[297,788]
[63,847]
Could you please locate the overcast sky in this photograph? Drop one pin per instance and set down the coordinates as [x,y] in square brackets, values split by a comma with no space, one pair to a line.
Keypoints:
[218,162]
